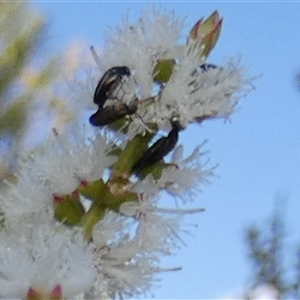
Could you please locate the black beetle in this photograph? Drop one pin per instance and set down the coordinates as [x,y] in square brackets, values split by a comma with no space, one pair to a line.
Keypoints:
[159,149]
[108,83]
[112,113]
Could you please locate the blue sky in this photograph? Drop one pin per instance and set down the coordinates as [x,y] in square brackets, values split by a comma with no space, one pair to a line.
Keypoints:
[258,152]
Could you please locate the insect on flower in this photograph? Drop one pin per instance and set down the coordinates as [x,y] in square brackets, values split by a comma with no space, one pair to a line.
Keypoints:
[207,67]
[109,82]
[111,79]
[159,149]
[115,112]
[112,113]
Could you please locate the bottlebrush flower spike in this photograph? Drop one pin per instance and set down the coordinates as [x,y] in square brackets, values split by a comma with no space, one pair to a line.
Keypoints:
[206,33]
[81,220]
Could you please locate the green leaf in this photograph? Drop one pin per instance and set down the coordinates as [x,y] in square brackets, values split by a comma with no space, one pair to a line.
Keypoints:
[163,70]
[69,210]
[92,190]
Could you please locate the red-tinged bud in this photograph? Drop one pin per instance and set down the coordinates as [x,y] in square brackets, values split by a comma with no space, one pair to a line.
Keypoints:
[33,295]
[57,199]
[84,183]
[205,33]
[56,294]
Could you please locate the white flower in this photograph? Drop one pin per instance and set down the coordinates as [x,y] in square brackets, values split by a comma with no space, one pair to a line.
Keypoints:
[185,177]
[129,261]
[74,158]
[155,35]
[86,154]
[57,169]
[28,195]
[41,258]
[190,94]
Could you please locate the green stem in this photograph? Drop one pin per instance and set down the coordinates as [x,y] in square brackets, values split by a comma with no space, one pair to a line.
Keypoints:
[90,219]
[133,151]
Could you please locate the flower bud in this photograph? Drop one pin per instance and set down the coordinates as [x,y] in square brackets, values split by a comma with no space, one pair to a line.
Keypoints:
[205,33]
[56,294]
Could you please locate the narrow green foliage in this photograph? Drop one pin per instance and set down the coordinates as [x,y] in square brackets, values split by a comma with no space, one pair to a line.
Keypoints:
[268,253]
[14,117]
[45,75]
[16,54]
[21,33]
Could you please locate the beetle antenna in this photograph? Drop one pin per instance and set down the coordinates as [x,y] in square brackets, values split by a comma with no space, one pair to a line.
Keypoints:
[141,119]
[95,56]
[136,114]
[144,124]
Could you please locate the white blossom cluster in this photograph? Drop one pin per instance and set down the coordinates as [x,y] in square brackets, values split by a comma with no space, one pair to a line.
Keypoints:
[38,252]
